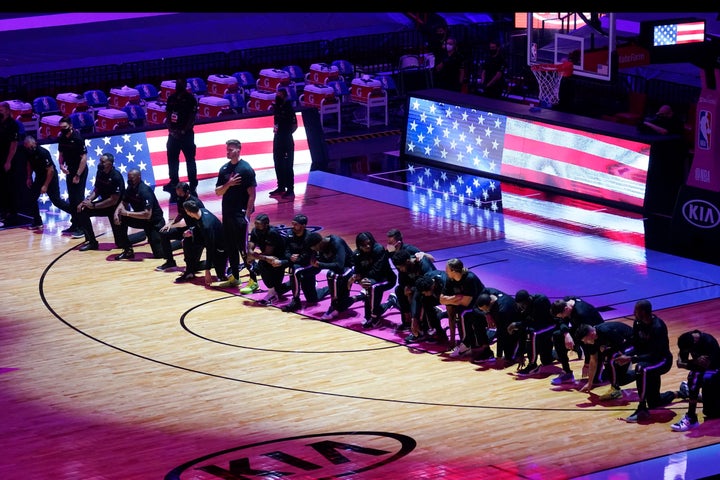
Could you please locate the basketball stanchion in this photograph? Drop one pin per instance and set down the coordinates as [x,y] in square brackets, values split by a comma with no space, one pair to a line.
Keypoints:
[549,76]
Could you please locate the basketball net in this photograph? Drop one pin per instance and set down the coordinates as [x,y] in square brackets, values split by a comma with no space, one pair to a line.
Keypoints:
[548,76]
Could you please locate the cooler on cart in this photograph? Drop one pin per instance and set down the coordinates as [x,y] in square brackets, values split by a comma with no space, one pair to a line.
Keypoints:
[260,101]
[156,113]
[313,95]
[49,126]
[110,119]
[211,107]
[71,102]
[363,87]
[321,73]
[271,78]
[219,85]
[119,97]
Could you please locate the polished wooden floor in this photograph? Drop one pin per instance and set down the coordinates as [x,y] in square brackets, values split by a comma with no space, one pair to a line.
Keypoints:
[112,371]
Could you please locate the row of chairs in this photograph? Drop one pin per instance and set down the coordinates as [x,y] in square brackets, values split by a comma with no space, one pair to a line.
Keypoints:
[85,106]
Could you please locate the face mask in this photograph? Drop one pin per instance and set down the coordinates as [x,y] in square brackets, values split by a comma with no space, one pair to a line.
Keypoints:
[65,131]
[390,248]
[278,99]
[493,51]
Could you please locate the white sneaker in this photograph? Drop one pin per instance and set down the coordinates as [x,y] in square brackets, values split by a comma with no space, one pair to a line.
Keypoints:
[329,315]
[270,298]
[460,350]
[684,424]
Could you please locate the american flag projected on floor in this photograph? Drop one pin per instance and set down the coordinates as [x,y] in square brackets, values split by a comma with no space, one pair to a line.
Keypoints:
[147,152]
[130,150]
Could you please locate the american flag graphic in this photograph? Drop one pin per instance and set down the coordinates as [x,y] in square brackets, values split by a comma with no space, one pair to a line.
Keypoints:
[146,151]
[678,33]
[596,165]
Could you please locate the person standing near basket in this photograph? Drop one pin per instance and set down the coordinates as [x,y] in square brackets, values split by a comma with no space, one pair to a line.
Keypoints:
[284,145]
[492,78]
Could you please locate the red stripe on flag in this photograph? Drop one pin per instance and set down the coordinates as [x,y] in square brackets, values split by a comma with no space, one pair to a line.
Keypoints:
[575,157]
[551,180]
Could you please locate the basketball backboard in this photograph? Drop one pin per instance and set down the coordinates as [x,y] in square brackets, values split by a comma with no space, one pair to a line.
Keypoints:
[560,36]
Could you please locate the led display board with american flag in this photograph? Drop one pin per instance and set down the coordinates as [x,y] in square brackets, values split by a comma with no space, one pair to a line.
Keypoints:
[595,166]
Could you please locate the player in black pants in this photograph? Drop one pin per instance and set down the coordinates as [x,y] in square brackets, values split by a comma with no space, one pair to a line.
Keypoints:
[603,343]
[374,274]
[237,185]
[108,191]
[303,276]
[40,163]
[699,353]
[176,231]
[570,313]
[536,327]
[334,255]
[650,353]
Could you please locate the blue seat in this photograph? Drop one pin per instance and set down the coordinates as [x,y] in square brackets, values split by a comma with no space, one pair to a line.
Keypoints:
[246,81]
[96,99]
[388,84]
[137,117]
[342,91]
[296,75]
[345,69]
[148,92]
[46,105]
[84,122]
[198,87]
[237,101]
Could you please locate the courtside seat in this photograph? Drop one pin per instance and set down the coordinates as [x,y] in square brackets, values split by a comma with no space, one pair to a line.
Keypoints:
[246,81]
[46,105]
[198,87]
[237,101]
[137,117]
[148,93]
[345,69]
[296,75]
[84,122]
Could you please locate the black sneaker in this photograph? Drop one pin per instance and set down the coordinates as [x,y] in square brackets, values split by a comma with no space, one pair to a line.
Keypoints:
[168,264]
[368,323]
[185,277]
[292,306]
[127,254]
[88,246]
[530,369]
[277,191]
[288,194]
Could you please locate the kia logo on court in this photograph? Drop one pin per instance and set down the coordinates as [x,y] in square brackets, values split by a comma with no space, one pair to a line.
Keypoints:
[701,213]
[319,456]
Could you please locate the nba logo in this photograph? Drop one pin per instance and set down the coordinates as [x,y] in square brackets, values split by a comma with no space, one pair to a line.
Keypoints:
[704,130]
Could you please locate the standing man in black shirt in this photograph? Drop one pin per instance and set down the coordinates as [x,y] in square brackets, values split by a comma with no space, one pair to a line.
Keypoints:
[237,185]
[73,163]
[181,110]
[9,137]
[40,162]
[139,208]
[492,78]
[284,145]
[103,200]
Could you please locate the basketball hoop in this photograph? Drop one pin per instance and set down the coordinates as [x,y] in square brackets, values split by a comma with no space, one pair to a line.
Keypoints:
[548,76]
